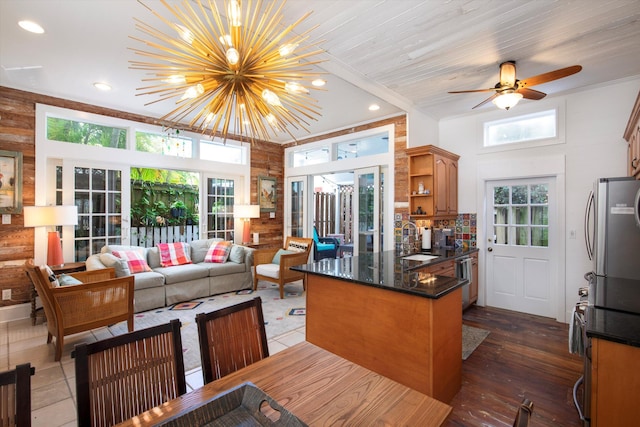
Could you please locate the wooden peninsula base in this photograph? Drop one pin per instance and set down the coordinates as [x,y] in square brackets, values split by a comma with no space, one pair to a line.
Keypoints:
[413,340]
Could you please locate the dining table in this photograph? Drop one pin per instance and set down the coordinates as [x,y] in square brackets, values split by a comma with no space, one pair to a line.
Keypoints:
[319,388]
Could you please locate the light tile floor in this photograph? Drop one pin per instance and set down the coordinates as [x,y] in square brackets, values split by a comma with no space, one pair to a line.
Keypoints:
[53,388]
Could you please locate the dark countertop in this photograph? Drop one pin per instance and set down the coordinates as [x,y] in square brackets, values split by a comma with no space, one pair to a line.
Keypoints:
[614,313]
[387,270]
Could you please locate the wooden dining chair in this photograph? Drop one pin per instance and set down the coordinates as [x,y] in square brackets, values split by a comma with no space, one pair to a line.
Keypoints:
[524,414]
[231,338]
[15,396]
[121,377]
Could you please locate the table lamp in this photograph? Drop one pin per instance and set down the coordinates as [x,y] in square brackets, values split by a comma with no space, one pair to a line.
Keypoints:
[246,212]
[51,216]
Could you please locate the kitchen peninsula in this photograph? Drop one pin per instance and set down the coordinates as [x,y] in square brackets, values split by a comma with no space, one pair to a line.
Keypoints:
[385,313]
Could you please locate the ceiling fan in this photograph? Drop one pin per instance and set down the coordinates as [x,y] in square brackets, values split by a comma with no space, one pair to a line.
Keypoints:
[510,90]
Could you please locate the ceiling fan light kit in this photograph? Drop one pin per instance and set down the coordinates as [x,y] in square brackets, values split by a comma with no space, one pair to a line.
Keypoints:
[236,70]
[509,90]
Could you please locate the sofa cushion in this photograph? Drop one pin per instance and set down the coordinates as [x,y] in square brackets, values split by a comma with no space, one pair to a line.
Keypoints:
[218,252]
[298,246]
[182,273]
[51,276]
[147,280]
[135,260]
[269,270]
[177,253]
[221,269]
[199,249]
[120,266]
[237,254]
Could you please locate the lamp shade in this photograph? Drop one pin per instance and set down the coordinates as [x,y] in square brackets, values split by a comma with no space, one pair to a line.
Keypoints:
[246,211]
[507,100]
[47,216]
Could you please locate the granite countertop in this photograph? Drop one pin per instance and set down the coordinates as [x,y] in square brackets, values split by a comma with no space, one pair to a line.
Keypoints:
[388,270]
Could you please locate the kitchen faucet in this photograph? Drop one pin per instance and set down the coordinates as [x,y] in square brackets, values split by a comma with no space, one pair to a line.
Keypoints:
[409,240]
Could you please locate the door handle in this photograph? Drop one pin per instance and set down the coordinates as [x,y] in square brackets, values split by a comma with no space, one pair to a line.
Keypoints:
[490,249]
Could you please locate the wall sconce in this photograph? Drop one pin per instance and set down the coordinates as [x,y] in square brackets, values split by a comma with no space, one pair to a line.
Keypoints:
[51,216]
[246,212]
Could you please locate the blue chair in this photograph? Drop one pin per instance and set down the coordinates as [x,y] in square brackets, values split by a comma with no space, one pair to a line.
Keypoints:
[324,247]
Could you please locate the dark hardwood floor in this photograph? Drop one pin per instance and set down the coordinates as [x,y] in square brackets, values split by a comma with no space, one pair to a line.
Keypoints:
[524,356]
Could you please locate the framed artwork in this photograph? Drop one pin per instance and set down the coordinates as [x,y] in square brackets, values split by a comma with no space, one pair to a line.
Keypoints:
[10,182]
[267,193]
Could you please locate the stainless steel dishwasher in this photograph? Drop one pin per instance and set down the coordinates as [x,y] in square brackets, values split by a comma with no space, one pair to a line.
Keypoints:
[464,271]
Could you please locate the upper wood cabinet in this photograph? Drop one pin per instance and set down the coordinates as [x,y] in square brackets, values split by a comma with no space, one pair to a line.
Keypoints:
[433,182]
[632,135]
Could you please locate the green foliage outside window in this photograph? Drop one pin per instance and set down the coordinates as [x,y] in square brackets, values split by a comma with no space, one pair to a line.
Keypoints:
[86,133]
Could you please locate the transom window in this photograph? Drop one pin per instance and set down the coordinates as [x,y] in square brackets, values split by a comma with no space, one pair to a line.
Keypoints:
[523,128]
[521,215]
[86,133]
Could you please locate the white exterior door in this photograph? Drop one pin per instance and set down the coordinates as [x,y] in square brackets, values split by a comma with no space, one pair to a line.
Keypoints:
[367,211]
[521,257]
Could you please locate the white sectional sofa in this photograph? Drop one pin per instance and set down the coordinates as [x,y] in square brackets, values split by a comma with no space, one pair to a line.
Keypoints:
[164,286]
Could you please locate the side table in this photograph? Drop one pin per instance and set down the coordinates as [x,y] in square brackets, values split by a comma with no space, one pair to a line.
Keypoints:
[70,267]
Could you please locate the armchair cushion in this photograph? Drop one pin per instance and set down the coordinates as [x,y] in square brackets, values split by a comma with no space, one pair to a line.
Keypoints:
[66,280]
[276,257]
[53,280]
[177,253]
[298,246]
[269,270]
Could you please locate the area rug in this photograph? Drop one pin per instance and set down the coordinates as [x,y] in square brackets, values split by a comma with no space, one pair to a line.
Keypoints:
[280,315]
[471,338]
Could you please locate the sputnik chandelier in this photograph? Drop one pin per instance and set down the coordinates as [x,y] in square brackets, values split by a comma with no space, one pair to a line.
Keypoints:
[239,70]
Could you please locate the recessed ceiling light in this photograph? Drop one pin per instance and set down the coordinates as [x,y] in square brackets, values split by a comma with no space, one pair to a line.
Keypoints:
[31,26]
[374,107]
[102,86]
[319,82]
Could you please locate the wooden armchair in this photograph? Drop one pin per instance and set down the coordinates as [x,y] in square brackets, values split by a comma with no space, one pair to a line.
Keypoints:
[15,396]
[101,300]
[298,250]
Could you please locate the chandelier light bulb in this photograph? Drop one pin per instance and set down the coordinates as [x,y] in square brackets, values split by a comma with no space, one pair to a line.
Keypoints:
[226,40]
[185,34]
[271,119]
[287,49]
[271,98]
[233,56]
[235,14]
[176,79]
[294,87]
[193,92]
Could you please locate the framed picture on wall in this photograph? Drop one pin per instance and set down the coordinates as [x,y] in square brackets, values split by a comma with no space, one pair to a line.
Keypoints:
[267,193]
[10,182]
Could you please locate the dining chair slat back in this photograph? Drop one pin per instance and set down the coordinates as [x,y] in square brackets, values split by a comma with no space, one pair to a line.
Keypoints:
[121,377]
[231,338]
[15,396]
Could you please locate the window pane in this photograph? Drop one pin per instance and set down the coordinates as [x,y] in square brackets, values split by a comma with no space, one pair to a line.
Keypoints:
[82,178]
[501,215]
[170,145]
[523,128]
[539,215]
[376,144]
[313,156]
[522,236]
[520,194]
[219,152]
[85,133]
[539,194]
[520,215]
[540,236]
[501,195]
[501,235]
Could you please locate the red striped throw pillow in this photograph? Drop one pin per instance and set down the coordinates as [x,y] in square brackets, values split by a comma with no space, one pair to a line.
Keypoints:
[218,252]
[174,254]
[137,264]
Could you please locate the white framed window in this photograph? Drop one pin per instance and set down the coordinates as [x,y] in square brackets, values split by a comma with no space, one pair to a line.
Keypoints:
[222,152]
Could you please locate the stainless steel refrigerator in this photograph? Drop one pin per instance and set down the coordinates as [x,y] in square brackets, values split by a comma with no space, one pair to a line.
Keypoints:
[612,228]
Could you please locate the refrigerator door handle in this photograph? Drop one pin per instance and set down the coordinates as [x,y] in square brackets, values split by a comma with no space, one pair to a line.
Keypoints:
[587,218]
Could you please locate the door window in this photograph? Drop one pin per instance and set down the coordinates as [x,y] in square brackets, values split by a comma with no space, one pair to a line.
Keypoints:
[521,215]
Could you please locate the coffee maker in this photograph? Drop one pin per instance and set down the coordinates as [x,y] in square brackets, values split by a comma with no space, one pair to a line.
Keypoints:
[443,238]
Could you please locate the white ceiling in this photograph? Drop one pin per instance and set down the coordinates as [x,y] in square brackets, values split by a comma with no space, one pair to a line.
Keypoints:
[403,54]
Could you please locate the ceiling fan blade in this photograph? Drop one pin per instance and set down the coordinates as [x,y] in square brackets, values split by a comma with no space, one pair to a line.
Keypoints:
[491,98]
[531,94]
[508,74]
[550,76]
[473,90]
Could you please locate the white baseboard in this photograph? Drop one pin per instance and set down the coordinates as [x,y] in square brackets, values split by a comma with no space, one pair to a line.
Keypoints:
[15,312]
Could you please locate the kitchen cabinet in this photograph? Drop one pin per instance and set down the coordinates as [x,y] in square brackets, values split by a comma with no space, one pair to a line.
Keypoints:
[433,182]
[473,288]
[615,383]
[444,268]
[632,136]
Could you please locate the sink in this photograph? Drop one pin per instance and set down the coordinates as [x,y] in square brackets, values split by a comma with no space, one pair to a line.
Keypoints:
[420,257]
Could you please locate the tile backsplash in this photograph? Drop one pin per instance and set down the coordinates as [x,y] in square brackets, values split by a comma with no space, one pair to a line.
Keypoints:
[464,225]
